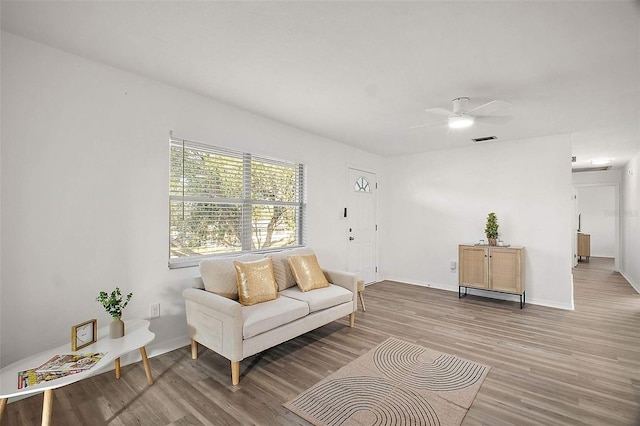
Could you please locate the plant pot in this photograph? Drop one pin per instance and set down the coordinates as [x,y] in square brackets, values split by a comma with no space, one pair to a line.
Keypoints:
[116,329]
[493,241]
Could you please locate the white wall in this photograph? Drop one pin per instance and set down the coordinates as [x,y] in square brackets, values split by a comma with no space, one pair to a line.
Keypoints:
[607,177]
[441,199]
[85,191]
[597,206]
[630,222]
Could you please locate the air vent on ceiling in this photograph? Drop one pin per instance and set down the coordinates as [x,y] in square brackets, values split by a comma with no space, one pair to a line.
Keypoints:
[591,169]
[485,139]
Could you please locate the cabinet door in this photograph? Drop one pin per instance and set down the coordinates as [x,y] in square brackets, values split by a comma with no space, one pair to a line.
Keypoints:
[473,266]
[584,245]
[505,267]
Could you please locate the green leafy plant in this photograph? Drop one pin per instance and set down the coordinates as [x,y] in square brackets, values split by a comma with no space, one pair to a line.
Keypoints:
[491,229]
[114,303]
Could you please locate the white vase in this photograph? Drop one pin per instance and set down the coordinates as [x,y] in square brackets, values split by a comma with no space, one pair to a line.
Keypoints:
[116,329]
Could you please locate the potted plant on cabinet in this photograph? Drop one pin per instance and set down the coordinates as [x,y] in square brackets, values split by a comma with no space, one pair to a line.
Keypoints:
[491,229]
[114,304]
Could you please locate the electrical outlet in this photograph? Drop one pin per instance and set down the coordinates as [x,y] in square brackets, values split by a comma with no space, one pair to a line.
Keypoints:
[154,310]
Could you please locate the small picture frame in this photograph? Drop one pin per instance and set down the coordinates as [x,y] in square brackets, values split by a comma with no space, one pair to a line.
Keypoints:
[84,334]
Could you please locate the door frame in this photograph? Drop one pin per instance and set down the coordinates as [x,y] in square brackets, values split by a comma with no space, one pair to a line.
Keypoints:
[346,227]
[616,215]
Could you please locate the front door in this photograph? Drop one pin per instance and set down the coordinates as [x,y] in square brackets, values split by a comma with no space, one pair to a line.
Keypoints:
[361,225]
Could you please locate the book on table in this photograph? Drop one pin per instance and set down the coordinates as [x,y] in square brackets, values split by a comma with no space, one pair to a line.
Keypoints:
[58,366]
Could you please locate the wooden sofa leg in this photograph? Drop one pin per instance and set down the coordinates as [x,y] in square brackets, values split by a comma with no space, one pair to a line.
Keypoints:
[194,349]
[362,301]
[235,372]
[352,319]
[3,404]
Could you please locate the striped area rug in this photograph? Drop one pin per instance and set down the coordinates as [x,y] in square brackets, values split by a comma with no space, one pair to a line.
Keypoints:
[396,383]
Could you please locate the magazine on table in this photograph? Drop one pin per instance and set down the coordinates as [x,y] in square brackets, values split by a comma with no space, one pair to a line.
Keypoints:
[58,366]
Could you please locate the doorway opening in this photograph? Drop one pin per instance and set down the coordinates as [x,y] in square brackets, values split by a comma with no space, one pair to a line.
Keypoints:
[597,224]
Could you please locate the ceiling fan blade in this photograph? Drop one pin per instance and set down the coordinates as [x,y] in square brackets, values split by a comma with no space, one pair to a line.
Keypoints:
[491,108]
[494,119]
[432,123]
[439,111]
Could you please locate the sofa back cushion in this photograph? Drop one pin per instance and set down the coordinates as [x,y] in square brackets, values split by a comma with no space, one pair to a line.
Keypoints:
[281,268]
[307,272]
[256,282]
[219,275]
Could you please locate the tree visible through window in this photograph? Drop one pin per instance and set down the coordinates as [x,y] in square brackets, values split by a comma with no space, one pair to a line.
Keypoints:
[224,202]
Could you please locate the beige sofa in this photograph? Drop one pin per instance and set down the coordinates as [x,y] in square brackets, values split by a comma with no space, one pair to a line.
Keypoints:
[236,331]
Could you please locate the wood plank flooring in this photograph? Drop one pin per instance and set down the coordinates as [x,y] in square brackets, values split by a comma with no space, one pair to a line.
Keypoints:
[548,366]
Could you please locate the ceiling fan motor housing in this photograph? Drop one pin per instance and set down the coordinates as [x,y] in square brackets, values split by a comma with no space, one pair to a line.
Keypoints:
[460,105]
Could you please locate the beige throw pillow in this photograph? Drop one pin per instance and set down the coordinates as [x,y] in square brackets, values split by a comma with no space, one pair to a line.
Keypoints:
[256,282]
[307,272]
[281,268]
[219,275]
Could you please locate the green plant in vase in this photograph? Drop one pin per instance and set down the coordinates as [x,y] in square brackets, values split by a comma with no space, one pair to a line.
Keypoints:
[114,303]
[491,229]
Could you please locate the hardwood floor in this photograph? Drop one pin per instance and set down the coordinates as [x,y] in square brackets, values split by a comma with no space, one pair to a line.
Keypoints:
[548,366]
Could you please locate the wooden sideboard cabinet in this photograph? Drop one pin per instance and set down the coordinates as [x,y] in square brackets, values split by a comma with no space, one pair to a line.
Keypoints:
[491,268]
[584,246]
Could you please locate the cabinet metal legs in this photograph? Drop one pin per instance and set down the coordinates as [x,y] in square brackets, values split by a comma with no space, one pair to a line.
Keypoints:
[523,295]
[460,294]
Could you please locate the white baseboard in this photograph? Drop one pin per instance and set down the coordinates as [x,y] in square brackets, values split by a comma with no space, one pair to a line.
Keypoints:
[484,293]
[424,284]
[550,304]
[154,349]
[168,346]
[634,284]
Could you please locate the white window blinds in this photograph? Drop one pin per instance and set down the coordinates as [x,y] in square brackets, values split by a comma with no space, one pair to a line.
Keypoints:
[224,202]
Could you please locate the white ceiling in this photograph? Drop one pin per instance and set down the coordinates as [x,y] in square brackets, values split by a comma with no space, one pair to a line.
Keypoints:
[363,72]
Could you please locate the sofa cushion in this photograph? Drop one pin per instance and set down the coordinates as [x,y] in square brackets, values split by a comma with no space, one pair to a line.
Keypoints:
[256,282]
[272,314]
[281,268]
[320,298]
[307,272]
[219,275]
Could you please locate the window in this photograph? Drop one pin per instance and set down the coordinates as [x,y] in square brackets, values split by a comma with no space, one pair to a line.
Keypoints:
[224,202]
[362,185]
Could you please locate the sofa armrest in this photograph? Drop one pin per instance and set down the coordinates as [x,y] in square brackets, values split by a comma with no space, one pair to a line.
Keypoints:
[213,301]
[344,279]
[215,322]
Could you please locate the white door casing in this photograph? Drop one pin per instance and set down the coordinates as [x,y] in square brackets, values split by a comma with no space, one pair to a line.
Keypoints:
[362,250]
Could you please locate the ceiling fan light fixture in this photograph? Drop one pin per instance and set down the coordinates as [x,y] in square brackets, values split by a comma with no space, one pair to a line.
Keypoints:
[460,121]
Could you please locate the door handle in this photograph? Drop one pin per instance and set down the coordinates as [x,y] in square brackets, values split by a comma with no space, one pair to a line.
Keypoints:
[351,238]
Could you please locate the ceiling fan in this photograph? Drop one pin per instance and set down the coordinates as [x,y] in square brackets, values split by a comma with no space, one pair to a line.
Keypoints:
[497,112]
